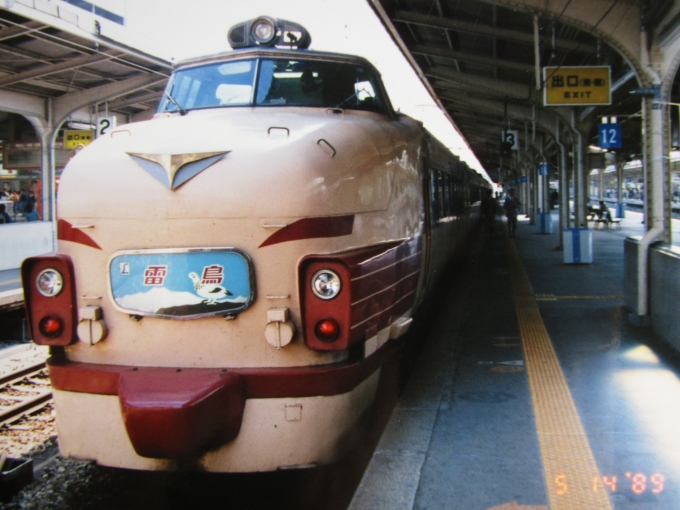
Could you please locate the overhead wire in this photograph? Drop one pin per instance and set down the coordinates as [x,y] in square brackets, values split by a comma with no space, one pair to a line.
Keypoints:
[580,43]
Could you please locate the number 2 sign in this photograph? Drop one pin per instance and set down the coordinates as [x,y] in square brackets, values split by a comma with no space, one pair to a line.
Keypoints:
[104,125]
[610,136]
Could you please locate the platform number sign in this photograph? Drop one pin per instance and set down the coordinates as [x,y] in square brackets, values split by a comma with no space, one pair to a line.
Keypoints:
[610,136]
[105,125]
[511,138]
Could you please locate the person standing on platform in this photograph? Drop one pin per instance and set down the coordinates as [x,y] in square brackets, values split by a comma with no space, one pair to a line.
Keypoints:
[488,211]
[30,212]
[554,198]
[15,204]
[511,206]
[4,217]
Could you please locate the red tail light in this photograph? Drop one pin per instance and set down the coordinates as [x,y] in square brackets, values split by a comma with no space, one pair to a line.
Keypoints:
[50,297]
[327,330]
[51,326]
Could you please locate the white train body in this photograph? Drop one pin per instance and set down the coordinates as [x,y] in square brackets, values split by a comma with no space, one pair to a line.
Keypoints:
[241,367]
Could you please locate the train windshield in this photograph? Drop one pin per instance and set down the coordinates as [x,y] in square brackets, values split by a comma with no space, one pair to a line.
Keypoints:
[274,82]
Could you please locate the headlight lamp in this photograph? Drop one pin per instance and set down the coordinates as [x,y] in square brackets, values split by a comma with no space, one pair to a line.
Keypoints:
[49,282]
[264,31]
[326,284]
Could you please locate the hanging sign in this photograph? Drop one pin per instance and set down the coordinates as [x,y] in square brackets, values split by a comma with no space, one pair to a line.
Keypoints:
[576,86]
[511,137]
[105,125]
[73,139]
[609,135]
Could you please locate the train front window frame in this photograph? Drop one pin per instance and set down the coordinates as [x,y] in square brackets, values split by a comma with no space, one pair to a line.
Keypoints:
[274,82]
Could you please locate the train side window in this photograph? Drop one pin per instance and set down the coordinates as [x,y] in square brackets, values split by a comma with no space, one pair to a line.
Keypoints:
[434,196]
[447,195]
[440,191]
[457,198]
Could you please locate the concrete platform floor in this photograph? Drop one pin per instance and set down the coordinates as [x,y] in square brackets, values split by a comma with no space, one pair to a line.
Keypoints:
[507,351]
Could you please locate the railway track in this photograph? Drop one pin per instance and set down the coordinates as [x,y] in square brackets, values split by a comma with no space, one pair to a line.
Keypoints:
[24,392]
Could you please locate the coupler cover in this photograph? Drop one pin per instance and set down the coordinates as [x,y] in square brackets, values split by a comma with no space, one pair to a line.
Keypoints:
[173,413]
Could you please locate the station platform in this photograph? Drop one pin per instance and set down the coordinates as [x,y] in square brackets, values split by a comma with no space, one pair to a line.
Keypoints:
[533,391]
[11,293]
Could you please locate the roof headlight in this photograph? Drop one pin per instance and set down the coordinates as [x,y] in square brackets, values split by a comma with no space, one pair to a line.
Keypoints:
[326,284]
[268,31]
[49,282]
[263,31]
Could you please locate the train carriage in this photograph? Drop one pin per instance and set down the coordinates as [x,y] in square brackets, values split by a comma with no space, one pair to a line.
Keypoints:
[232,274]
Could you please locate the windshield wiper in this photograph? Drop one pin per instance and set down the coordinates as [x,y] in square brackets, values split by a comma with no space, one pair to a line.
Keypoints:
[339,105]
[181,110]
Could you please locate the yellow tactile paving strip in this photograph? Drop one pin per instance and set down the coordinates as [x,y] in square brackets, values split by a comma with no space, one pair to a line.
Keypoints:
[571,474]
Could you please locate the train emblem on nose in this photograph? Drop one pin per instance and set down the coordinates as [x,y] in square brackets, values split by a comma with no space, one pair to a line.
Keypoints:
[173,170]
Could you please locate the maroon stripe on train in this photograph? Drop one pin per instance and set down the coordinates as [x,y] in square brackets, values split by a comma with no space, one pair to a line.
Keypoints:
[382,319]
[288,382]
[383,288]
[408,251]
[66,232]
[380,310]
[310,228]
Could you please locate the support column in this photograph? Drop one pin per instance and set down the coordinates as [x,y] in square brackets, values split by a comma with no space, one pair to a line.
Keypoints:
[620,207]
[533,192]
[654,163]
[580,190]
[563,188]
[526,193]
[47,164]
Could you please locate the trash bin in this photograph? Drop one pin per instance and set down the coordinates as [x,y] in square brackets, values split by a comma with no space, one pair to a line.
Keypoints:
[620,211]
[578,245]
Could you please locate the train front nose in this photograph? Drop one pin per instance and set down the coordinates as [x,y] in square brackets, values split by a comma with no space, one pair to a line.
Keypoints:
[180,413]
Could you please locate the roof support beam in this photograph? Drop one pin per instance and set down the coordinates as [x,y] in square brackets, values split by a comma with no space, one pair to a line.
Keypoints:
[434,51]
[55,68]
[545,119]
[64,105]
[145,98]
[16,31]
[481,84]
[485,30]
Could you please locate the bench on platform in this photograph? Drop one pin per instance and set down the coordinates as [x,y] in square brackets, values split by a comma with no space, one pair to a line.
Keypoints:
[607,223]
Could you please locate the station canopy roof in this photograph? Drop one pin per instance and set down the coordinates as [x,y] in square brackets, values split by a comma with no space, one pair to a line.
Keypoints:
[44,61]
[478,59]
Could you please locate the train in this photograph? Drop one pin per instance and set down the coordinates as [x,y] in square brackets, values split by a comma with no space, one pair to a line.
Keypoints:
[232,274]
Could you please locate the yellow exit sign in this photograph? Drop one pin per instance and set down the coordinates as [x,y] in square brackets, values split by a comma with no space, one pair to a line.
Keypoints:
[576,86]
[73,139]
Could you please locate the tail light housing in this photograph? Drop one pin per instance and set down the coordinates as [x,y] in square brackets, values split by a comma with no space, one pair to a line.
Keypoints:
[50,297]
[326,297]
[348,297]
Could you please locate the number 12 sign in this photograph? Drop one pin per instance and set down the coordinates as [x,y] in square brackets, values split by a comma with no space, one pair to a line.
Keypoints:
[610,136]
